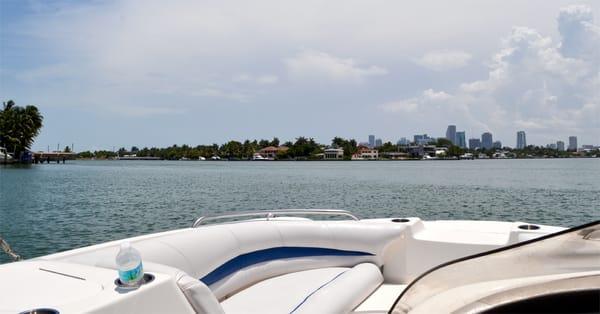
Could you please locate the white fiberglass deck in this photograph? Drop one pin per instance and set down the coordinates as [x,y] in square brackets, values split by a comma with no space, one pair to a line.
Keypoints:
[280,265]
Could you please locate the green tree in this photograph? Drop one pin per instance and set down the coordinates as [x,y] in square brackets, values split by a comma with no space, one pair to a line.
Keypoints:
[443,142]
[304,148]
[264,143]
[455,151]
[233,149]
[349,146]
[87,154]
[19,126]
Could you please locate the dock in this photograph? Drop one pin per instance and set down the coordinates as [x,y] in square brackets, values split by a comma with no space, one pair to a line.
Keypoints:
[41,157]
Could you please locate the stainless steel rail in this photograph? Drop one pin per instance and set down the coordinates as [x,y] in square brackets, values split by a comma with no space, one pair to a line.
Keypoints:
[269,214]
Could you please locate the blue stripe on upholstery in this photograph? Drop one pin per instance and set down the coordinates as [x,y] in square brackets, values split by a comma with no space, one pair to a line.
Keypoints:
[319,288]
[249,259]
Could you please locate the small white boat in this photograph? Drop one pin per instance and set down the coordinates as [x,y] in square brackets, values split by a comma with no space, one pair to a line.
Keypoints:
[215,158]
[201,158]
[258,156]
[5,156]
[466,156]
[283,262]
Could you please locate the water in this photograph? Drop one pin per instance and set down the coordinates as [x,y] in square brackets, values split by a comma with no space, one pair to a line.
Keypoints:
[50,208]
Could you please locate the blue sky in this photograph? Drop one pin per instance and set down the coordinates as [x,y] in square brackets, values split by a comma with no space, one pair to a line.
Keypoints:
[154,73]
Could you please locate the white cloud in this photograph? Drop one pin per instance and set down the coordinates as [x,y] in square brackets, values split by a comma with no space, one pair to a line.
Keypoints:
[444,60]
[532,84]
[406,106]
[430,94]
[218,93]
[429,98]
[322,66]
[267,79]
[580,36]
[188,54]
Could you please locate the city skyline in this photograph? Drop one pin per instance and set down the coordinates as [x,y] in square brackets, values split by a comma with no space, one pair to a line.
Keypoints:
[102,75]
[485,140]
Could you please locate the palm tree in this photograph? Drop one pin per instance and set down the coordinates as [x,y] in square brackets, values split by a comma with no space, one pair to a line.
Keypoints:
[19,126]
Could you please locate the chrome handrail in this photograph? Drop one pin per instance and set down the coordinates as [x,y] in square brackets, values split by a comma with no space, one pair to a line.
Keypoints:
[268,214]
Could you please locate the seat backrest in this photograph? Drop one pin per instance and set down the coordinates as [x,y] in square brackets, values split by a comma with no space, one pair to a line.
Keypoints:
[230,257]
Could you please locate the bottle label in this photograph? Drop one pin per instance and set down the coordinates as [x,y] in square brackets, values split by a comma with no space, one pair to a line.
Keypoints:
[131,276]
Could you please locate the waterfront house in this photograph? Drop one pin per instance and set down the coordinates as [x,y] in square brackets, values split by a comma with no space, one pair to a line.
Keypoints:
[419,151]
[333,154]
[395,155]
[270,152]
[365,153]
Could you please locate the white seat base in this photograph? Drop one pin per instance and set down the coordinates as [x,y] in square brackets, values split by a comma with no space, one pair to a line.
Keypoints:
[324,290]
[382,299]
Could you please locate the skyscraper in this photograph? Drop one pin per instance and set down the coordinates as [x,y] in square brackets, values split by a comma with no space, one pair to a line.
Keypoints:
[486,140]
[560,145]
[378,142]
[521,140]
[497,145]
[474,143]
[573,143]
[451,133]
[403,141]
[460,139]
[423,139]
[371,141]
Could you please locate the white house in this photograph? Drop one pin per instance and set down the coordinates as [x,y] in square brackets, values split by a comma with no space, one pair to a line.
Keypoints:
[333,154]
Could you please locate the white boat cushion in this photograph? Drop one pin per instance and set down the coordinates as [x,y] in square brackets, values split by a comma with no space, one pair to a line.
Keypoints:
[323,290]
[198,295]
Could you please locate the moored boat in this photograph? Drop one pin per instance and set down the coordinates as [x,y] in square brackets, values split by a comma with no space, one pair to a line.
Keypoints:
[5,157]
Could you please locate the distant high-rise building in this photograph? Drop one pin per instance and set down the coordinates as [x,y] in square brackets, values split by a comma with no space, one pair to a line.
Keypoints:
[521,140]
[573,143]
[551,146]
[487,141]
[474,143]
[460,139]
[451,133]
[371,141]
[378,142]
[403,141]
[497,145]
[423,139]
[560,146]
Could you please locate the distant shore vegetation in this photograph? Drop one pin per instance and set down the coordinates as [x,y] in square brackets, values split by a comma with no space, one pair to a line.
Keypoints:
[305,148]
[18,127]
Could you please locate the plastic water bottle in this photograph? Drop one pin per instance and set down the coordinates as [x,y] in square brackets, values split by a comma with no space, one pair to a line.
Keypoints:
[129,263]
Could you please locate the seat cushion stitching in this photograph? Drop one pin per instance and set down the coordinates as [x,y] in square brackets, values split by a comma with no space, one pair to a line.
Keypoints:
[319,288]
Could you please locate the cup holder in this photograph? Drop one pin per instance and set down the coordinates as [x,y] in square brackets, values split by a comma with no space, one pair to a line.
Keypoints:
[147,279]
[41,311]
[400,220]
[529,227]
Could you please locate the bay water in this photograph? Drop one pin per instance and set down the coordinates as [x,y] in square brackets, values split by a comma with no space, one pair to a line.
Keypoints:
[54,207]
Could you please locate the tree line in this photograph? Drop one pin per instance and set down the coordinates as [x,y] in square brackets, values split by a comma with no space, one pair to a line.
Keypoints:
[303,148]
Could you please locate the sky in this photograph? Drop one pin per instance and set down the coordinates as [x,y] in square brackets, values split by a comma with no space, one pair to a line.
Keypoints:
[155,73]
